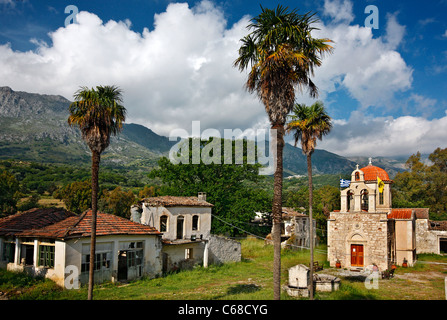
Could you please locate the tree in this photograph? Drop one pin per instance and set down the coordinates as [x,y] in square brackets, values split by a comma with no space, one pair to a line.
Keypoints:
[325,199]
[117,202]
[77,196]
[224,185]
[309,124]
[423,185]
[281,55]
[9,187]
[98,113]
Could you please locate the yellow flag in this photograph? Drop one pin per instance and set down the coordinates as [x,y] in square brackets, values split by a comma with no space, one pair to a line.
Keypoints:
[380,184]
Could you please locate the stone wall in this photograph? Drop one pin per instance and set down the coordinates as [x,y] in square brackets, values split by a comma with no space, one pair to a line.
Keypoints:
[223,250]
[427,241]
[367,229]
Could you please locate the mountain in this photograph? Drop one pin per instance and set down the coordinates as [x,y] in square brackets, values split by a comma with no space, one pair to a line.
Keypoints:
[33,127]
[295,162]
[390,165]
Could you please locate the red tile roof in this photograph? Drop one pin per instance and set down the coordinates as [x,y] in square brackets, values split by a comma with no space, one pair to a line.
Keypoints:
[401,214]
[80,226]
[173,201]
[289,212]
[109,224]
[438,225]
[421,213]
[372,172]
[32,219]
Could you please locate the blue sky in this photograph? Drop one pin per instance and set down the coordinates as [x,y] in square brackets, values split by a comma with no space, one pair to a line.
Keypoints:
[385,88]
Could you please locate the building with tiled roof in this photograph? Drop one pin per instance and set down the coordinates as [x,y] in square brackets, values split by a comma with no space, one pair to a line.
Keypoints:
[185,223]
[368,230]
[80,227]
[48,241]
[371,173]
[174,201]
[32,219]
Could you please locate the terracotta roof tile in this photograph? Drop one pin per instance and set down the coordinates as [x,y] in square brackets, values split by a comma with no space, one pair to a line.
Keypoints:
[289,212]
[372,172]
[174,201]
[109,224]
[421,213]
[401,214]
[438,225]
[80,226]
[32,219]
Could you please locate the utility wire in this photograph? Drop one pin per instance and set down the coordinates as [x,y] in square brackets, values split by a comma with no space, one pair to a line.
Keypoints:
[262,238]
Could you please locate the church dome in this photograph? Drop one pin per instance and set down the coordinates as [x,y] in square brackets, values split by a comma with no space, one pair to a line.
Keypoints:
[372,172]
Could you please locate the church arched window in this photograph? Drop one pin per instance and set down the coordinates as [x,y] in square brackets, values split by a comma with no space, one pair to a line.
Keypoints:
[364,197]
[350,197]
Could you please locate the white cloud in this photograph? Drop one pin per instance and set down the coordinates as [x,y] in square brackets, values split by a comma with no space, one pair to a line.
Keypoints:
[368,136]
[181,70]
[339,11]
[176,73]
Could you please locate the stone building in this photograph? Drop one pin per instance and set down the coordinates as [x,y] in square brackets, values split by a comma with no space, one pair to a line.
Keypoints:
[296,225]
[185,224]
[367,230]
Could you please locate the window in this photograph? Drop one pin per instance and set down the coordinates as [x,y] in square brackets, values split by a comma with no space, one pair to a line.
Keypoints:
[102,261]
[8,251]
[357,176]
[180,220]
[46,256]
[195,222]
[131,259]
[380,197]
[163,223]
[364,194]
[349,200]
[188,253]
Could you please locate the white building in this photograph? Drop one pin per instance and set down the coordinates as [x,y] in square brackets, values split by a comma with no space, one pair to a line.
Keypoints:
[185,223]
[54,242]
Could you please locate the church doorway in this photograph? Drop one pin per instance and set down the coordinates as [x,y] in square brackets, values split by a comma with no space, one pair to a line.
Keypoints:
[357,255]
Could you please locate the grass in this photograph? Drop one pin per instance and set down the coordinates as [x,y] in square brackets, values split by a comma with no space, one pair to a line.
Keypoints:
[250,279]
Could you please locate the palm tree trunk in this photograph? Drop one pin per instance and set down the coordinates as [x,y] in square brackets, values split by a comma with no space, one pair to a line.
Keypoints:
[95,187]
[311,227]
[277,212]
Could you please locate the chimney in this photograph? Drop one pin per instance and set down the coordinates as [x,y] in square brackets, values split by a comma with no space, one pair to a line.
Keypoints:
[202,196]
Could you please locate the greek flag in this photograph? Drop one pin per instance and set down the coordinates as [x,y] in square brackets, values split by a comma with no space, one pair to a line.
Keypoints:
[344,183]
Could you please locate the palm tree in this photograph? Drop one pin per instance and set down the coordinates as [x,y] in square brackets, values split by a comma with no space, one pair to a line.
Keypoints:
[280,54]
[98,113]
[309,124]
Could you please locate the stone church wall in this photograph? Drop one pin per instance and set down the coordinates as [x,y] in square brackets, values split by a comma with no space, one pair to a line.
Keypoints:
[367,229]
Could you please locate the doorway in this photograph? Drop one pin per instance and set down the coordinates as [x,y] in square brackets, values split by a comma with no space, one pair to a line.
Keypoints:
[443,245]
[122,266]
[180,220]
[357,255]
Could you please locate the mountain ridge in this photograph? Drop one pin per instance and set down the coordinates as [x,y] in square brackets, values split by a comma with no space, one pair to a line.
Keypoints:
[34,127]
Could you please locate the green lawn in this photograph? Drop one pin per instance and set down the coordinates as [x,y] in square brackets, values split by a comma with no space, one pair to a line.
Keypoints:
[250,279]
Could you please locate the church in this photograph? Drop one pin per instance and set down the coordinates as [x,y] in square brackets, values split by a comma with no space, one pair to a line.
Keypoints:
[367,230]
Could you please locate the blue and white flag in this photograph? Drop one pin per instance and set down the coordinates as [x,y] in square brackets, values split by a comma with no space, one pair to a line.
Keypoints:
[344,183]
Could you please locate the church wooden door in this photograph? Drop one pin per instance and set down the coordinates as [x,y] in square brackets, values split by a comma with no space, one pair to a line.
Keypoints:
[357,255]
